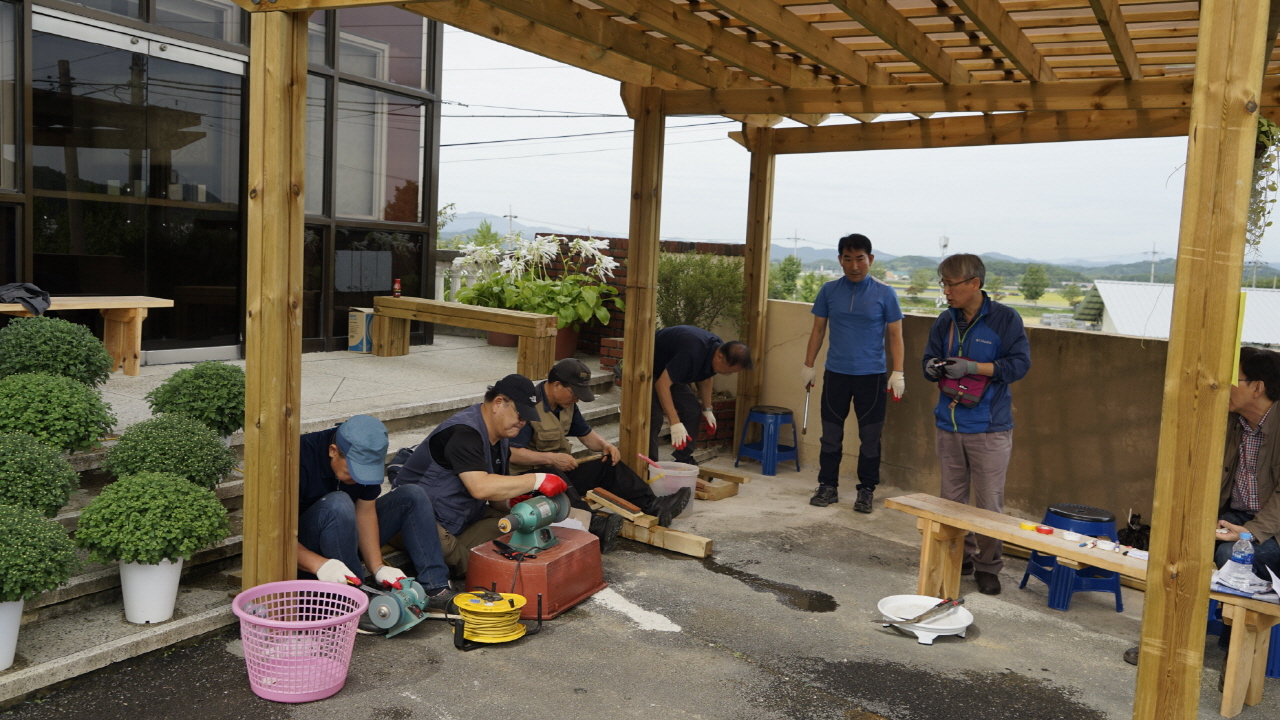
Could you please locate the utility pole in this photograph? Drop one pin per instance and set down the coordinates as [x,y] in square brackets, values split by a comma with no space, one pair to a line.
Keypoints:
[944,242]
[510,216]
[1153,255]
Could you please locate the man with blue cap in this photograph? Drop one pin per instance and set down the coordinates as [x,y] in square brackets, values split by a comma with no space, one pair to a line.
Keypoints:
[343,517]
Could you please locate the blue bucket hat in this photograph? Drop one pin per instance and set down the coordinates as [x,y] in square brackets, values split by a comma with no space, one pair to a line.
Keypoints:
[363,440]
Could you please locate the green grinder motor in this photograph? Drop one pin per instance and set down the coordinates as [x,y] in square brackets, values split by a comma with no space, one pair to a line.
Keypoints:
[529,523]
[398,610]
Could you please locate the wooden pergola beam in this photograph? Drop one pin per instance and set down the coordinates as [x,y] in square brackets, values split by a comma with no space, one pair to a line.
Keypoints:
[995,22]
[1200,368]
[886,21]
[756,273]
[1111,22]
[786,27]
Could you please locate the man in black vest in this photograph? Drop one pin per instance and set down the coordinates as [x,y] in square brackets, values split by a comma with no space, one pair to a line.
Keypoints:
[543,445]
[464,463]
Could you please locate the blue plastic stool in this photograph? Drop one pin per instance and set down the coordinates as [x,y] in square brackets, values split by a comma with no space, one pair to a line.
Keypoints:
[1064,582]
[1273,654]
[771,419]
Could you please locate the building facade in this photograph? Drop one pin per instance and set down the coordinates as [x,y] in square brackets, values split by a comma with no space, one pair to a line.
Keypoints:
[122,161]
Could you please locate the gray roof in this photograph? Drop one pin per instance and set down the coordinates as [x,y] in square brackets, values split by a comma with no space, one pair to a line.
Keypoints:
[1146,310]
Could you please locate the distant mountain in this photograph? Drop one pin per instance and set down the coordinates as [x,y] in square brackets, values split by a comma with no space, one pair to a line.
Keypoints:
[1141,272]
[466,223]
[1008,258]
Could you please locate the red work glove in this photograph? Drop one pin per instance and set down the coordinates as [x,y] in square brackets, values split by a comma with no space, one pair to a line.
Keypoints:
[549,484]
[517,500]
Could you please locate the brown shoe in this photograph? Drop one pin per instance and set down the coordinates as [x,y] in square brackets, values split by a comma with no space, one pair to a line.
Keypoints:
[988,583]
[1131,655]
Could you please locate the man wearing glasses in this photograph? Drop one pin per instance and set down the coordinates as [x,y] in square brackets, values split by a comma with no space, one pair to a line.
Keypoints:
[861,311]
[1249,501]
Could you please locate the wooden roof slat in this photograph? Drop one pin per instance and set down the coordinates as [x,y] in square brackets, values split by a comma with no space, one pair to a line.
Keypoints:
[881,18]
[1112,24]
[1001,30]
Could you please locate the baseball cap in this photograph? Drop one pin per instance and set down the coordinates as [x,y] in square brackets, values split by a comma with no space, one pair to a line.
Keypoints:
[574,373]
[522,392]
[363,440]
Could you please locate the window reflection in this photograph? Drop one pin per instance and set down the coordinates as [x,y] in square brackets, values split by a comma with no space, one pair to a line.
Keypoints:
[8,243]
[8,97]
[365,264]
[317,92]
[217,19]
[193,132]
[379,153]
[312,281]
[317,33]
[128,8]
[384,43]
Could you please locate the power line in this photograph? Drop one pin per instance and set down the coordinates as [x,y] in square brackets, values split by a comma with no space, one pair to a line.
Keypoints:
[578,152]
[577,135]
[533,110]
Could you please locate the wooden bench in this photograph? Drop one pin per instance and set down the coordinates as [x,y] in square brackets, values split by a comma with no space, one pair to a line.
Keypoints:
[122,326]
[944,524]
[537,332]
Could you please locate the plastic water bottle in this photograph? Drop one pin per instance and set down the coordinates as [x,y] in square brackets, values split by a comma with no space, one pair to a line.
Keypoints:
[1239,569]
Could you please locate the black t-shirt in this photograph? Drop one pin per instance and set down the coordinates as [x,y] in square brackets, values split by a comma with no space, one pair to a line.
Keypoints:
[463,451]
[684,352]
[315,473]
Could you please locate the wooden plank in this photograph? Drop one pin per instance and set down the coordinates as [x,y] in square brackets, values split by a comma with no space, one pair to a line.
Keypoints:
[941,553]
[107,302]
[1258,606]
[1240,657]
[715,489]
[755,301]
[615,504]
[1200,368]
[496,325]
[668,539]
[1004,33]
[642,274]
[1273,27]
[535,356]
[122,336]
[276,173]
[390,336]
[886,21]
[1111,22]
[522,323]
[732,476]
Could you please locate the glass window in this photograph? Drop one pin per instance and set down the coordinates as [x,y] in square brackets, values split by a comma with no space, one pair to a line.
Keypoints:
[193,256]
[317,93]
[8,97]
[8,244]
[379,153]
[312,281]
[384,43]
[317,33]
[193,132]
[110,260]
[128,8]
[217,19]
[366,262]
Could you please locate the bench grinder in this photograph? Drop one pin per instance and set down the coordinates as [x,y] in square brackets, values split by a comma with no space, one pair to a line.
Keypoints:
[529,523]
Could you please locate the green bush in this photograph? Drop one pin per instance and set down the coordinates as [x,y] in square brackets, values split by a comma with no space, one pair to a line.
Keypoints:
[57,411]
[34,475]
[149,517]
[54,347]
[699,290]
[36,555]
[211,392]
[174,444]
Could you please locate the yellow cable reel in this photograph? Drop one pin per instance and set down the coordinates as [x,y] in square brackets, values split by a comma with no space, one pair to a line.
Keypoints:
[491,621]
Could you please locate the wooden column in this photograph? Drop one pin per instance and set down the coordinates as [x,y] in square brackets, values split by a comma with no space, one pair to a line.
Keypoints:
[756,272]
[273,324]
[1199,373]
[642,271]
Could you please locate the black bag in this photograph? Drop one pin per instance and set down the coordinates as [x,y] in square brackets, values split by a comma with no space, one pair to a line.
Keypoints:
[397,462]
[35,300]
[1136,535]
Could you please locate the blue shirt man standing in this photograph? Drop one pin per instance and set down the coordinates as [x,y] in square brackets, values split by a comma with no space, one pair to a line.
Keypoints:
[861,312]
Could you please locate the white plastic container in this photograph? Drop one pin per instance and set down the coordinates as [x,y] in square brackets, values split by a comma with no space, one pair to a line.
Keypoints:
[674,476]
[150,591]
[10,619]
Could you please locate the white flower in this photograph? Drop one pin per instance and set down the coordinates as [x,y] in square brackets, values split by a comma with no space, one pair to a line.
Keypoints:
[604,267]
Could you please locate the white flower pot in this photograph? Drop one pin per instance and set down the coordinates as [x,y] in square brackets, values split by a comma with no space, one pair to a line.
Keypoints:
[150,591]
[10,619]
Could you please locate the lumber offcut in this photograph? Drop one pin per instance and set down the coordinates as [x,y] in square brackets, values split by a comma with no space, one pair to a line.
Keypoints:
[667,539]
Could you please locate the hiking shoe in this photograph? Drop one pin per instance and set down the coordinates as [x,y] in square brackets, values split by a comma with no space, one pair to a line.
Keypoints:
[966,567]
[988,583]
[442,601]
[1131,655]
[669,507]
[606,526]
[824,496]
[863,503]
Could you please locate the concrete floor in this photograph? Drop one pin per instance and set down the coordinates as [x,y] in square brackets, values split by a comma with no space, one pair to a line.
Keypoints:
[777,624]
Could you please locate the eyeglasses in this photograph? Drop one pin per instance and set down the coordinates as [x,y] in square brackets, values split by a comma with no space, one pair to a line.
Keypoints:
[944,284]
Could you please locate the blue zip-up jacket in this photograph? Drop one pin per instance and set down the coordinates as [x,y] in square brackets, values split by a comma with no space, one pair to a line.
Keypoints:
[995,336]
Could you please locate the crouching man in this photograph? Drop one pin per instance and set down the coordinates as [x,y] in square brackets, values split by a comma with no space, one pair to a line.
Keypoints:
[463,466]
[543,446]
[342,516]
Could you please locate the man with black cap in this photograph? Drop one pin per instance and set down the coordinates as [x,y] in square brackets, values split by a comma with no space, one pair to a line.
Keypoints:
[543,445]
[463,465]
[342,517]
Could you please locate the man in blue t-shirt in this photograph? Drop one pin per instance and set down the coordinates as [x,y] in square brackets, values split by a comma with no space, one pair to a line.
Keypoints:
[861,311]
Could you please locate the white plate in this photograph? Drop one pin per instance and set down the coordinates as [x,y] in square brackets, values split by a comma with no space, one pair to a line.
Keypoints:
[895,608]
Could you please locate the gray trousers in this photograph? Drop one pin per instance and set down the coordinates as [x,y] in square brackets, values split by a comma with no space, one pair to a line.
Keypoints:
[975,464]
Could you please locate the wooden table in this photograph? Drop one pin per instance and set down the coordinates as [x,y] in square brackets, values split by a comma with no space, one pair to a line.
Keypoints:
[122,329]
[944,524]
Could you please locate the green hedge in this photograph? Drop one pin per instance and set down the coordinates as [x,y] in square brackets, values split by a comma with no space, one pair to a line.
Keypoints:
[54,347]
[173,444]
[56,410]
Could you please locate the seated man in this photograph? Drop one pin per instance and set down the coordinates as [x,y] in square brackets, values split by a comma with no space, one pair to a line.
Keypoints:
[463,466]
[543,445]
[342,516]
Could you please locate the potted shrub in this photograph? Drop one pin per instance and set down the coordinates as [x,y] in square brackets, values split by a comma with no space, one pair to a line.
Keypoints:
[54,347]
[211,392]
[36,556]
[151,523]
[175,444]
[34,475]
[520,279]
[56,410]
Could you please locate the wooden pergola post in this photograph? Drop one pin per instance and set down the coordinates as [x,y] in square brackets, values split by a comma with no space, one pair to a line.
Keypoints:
[756,271]
[642,270]
[273,323]
[1202,338]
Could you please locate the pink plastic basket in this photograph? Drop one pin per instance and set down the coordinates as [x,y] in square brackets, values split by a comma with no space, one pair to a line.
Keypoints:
[297,637]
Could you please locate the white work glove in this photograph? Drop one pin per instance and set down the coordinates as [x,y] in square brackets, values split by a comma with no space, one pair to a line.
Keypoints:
[389,577]
[679,436]
[897,385]
[335,572]
[710,417]
[808,375]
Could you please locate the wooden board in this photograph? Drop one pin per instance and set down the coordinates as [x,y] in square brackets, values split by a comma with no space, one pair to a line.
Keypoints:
[105,302]
[668,539]
[516,322]
[715,489]
[732,476]
[628,513]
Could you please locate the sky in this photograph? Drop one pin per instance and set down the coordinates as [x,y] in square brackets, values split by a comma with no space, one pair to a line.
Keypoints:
[1105,200]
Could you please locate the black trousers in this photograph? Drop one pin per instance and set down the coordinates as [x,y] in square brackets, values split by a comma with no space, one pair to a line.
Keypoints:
[688,409]
[867,396]
[618,479]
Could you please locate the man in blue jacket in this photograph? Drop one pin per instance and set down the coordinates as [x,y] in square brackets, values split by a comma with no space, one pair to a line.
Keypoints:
[977,338]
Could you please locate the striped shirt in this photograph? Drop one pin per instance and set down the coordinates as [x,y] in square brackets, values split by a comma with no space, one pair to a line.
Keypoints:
[1244,492]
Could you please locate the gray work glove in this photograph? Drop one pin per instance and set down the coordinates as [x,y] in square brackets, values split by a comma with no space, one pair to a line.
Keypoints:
[935,368]
[959,367]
